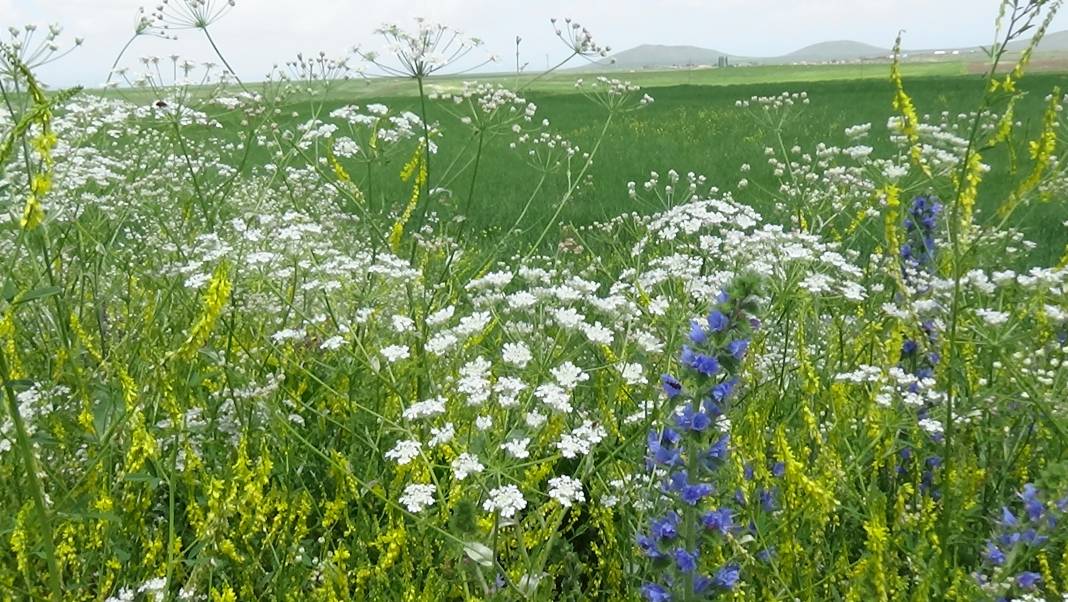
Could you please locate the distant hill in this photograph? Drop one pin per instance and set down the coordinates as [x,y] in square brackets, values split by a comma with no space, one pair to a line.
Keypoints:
[1056,41]
[656,56]
[841,50]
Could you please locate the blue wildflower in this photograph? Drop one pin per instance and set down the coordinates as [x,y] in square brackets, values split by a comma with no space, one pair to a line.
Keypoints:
[718,452]
[723,390]
[648,547]
[738,348]
[993,554]
[721,520]
[685,560]
[1032,505]
[1008,519]
[767,500]
[727,577]
[1032,538]
[717,322]
[701,583]
[1028,580]
[698,336]
[655,593]
[665,528]
[694,493]
[663,450]
[704,364]
[693,420]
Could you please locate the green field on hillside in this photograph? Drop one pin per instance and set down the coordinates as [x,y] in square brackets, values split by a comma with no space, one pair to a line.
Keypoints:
[690,127]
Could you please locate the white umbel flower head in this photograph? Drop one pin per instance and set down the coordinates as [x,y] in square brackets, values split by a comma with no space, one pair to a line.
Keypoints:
[404,451]
[418,497]
[507,500]
[517,354]
[566,490]
[395,352]
[466,465]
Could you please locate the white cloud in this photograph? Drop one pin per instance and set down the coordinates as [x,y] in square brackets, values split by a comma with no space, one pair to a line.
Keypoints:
[260,33]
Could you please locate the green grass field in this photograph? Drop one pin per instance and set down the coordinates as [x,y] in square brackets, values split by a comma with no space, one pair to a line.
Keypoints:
[695,126]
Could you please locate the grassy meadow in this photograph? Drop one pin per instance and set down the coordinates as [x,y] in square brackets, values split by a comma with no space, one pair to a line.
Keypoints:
[423,338]
[693,126]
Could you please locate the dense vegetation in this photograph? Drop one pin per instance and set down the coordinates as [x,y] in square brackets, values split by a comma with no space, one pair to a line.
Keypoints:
[292,340]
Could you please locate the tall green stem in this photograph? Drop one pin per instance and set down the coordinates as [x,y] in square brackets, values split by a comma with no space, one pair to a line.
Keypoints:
[571,189]
[222,58]
[55,581]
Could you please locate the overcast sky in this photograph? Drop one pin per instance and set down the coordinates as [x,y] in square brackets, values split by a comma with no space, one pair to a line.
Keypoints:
[259,33]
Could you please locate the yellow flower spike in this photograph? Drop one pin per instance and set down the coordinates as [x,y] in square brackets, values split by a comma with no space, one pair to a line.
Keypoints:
[1064,564]
[910,120]
[40,183]
[417,162]
[10,349]
[226,594]
[892,216]
[1049,580]
[800,489]
[875,546]
[142,445]
[32,213]
[85,339]
[1042,151]
[215,298]
[968,190]
[19,541]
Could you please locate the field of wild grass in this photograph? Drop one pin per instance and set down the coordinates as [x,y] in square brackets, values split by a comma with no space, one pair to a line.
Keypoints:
[690,127]
[422,339]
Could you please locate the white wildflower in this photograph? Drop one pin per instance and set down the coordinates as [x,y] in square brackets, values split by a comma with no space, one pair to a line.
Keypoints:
[507,500]
[418,497]
[395,352]
[404,451]
[517,448]
[569,375]
[442,435]
[424,409]
[566,490]
[466,465]
[517,354]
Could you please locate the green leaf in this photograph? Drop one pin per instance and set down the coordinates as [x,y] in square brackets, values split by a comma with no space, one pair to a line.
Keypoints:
[480,553]
[143,477]
[39,293]
[9,291]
